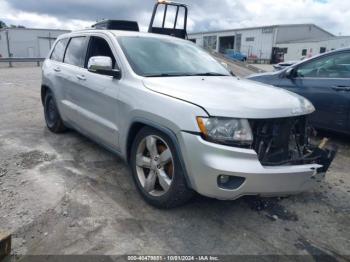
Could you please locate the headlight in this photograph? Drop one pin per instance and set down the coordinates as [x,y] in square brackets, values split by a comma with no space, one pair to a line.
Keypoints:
[226,130]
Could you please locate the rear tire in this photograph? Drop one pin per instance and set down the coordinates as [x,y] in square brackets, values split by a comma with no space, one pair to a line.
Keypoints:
[157,170]
[52,117]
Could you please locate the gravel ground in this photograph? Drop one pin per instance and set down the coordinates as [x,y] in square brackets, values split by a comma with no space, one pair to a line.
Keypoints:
[63,194]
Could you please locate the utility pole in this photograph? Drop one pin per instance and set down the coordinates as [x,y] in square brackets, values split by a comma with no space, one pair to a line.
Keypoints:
[49,40]
[8,46]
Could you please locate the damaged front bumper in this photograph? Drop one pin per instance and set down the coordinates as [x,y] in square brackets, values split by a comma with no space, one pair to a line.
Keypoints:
[244,174]
[287,141]
[323,156]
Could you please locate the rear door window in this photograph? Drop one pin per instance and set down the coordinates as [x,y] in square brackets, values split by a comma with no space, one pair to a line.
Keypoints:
[58,51]
[76,50]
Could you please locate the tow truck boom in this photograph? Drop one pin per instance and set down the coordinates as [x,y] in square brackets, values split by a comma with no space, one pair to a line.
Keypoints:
[174,30]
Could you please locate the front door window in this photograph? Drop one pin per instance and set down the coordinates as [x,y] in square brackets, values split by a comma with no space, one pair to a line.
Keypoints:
[331,66]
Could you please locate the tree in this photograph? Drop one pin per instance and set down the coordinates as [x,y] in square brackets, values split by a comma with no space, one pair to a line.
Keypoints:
[2,24]
[17,26]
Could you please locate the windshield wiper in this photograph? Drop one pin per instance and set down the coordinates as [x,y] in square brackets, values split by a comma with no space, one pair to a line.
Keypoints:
[185,74]
[167,75]
[208,74]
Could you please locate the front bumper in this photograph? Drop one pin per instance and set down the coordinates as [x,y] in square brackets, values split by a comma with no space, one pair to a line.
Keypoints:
[206,161]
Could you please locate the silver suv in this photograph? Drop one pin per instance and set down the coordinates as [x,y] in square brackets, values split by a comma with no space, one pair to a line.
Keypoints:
[179,118]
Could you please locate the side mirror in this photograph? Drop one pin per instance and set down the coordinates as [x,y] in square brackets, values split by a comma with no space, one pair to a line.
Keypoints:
[227,68]
[290,72]
[103,65]
[224,65]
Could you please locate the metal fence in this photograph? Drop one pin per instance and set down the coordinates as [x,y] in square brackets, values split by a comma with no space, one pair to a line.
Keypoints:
[258,61]
[12,60]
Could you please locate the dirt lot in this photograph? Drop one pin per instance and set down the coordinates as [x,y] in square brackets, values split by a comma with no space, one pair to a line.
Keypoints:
[63,194]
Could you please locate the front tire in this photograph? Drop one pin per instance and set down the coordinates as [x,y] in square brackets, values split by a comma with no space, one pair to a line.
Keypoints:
[52,117]
[157,170]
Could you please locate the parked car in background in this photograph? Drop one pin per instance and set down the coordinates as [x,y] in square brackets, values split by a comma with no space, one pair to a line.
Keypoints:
[235,55]
[325,81]
[283,65]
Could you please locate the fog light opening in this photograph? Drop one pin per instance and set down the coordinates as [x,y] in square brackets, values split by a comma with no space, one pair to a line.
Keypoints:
[223,179]
[230,182]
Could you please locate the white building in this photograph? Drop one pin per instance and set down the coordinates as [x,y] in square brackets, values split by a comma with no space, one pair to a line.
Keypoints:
[260,42]
[298,49]
[27,42]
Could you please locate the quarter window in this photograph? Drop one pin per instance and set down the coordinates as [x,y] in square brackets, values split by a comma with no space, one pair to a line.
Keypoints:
[75,53]
[331,66]
[58,51]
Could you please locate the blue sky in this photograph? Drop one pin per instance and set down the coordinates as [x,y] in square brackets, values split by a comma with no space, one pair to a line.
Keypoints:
[332,15]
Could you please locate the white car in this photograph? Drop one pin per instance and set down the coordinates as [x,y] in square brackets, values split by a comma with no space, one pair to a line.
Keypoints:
[178,117]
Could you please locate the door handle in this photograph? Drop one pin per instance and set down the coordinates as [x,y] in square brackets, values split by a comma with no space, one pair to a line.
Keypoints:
[57,69]
[81,77]
[341,88]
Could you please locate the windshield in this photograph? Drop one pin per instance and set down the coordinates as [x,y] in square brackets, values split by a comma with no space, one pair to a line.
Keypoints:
[150,56]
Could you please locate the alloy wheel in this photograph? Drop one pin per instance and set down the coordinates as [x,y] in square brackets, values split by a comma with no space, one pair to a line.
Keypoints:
[154,165]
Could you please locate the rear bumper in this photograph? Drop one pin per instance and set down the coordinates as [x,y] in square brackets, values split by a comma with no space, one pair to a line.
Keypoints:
[205,162]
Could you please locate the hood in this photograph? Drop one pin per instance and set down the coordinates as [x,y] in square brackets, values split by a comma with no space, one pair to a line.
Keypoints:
[228,96]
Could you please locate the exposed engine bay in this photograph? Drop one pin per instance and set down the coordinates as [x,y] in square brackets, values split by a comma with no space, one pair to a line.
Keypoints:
[287,141]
